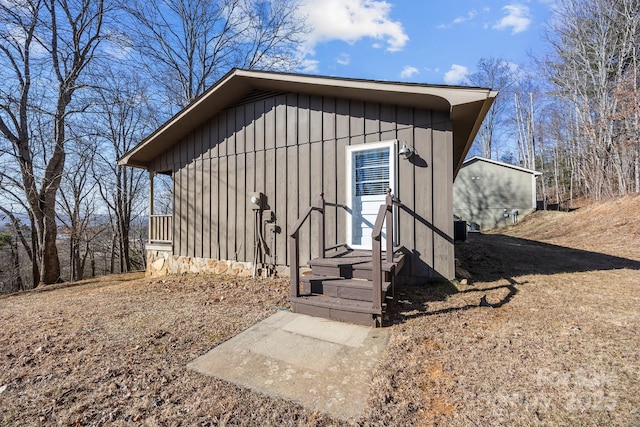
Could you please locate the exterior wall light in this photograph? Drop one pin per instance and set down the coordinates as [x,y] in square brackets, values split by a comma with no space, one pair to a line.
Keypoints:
[406,152]
[257,201]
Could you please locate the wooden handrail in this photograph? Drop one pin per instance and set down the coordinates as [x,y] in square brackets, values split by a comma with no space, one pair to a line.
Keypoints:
[376,260]
[296,227]
[385,216]
[294,247]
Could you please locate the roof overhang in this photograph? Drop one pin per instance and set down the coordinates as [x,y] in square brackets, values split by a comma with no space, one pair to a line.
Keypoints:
[467,106]
[475,159]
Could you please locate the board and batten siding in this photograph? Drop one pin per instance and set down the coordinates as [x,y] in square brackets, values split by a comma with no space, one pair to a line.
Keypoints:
[292,147]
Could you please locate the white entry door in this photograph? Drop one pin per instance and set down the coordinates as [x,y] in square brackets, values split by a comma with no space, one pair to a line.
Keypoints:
[371,169]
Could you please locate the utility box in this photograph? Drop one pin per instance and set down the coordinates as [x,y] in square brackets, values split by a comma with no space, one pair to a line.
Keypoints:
[460,231]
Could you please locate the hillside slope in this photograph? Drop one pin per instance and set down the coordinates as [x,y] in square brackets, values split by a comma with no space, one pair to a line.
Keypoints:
[602,236]
[609,227]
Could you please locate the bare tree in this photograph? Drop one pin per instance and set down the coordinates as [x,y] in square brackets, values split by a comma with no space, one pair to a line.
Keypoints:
[594,47]
[557,160]
[525,123]
[46,47]
[627,131]
[10,274]
[77,206]
[531,137]
[189,44]
[123,116]
[500,75]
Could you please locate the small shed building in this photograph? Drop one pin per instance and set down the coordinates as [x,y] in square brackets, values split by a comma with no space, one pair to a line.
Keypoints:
[269,171]
[489,194]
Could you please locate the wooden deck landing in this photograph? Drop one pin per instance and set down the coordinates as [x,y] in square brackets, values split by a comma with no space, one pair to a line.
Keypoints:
[357,260]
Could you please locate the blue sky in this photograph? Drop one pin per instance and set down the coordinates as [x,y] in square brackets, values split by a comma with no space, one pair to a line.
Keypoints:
[419,40]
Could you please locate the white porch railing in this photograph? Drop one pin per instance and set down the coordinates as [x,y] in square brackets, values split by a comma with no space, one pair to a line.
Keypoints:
[160,228]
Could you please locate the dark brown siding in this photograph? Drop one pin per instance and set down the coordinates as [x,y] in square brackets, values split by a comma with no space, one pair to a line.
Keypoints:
[291,147]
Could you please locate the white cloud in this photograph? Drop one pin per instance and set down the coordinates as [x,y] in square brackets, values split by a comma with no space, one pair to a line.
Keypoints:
[352,20]
[309,66]
[408,71]
[460,19]
[519,73]
[343,59]
[18,7]
[517,18]
[117,45]
[116,51]
[17,35]
[456,75]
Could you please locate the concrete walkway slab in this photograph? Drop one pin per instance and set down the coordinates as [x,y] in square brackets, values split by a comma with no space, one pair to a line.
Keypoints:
[323,365]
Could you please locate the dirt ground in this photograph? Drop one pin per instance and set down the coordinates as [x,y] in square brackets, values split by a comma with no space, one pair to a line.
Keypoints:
[555,344]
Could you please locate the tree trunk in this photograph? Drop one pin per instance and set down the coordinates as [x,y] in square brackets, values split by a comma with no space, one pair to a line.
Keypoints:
[72,258]
[124,247]
[35,265]
[82,261]
[112,267]
[637,168]
[50,263]
[93,264]
[15,281]
[16,265]
[77,261]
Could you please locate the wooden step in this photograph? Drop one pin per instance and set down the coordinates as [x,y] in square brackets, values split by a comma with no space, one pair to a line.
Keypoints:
[342,310]
[363,264]
[345,271]
[353,289]
[352,264]
[341,286]
[309,282]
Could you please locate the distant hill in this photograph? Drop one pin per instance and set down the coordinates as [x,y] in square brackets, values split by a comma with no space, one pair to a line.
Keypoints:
[4,220]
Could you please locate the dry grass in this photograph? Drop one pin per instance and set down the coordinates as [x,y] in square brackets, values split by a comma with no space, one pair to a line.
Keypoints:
[559,346]
[114,353]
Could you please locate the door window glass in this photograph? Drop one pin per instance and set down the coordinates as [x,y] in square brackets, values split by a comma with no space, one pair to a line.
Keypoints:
[371,170]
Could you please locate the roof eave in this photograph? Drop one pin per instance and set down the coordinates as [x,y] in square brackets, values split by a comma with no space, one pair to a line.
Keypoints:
[238,83]
[467,119]
[499,163]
